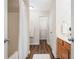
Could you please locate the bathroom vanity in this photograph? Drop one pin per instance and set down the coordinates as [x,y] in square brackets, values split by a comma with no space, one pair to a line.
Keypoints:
[63,49]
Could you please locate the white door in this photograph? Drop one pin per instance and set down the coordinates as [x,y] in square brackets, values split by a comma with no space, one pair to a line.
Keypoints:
[72,29]
[6,49]
[43,27]
[5,30]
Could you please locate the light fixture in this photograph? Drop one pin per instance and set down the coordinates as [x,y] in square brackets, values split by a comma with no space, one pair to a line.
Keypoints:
[31,7]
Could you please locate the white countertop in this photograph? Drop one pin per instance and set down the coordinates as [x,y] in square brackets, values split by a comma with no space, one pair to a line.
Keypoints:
[64,39]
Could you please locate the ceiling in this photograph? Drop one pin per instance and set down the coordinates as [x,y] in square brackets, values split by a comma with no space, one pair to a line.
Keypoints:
[44,5]
[41,4]
[13,5]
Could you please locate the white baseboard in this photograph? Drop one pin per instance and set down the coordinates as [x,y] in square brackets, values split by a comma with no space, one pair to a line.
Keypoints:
[34,43]
[14,56]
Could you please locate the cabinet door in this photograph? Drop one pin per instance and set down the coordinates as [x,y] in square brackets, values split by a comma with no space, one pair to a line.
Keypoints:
[68,48]
[63,53]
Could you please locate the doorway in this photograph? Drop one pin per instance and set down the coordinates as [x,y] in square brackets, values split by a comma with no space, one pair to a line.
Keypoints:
[43,28]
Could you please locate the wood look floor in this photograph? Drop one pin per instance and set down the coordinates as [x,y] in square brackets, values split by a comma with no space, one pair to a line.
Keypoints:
[43,48]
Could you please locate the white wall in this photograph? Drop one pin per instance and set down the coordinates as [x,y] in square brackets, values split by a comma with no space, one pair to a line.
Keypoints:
[63,15]
[34,25]
[24,33]
[52,27]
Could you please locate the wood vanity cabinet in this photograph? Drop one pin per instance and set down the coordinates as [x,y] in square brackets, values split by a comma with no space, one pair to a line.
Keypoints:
[63,49]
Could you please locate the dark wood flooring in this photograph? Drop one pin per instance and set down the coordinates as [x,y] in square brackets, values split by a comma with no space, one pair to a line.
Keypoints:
[43,48]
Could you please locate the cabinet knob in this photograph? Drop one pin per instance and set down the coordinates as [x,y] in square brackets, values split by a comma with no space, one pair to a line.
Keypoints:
[72,39]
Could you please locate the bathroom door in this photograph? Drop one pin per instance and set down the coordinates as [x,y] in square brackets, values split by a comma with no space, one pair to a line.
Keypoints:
[43,27]
[6,30]
[5,49]
[72,29]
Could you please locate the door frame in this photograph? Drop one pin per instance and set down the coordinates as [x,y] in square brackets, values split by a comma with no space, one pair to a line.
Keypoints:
[72,27]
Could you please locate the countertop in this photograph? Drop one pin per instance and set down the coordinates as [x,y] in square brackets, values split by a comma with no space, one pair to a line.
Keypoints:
[64,39]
